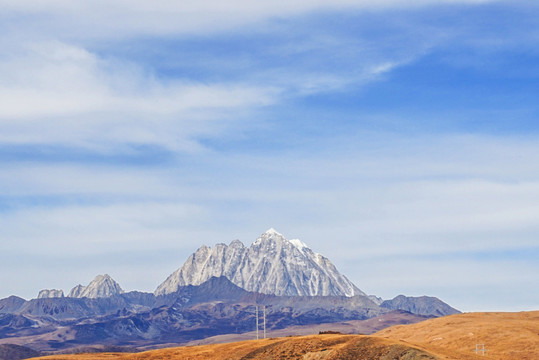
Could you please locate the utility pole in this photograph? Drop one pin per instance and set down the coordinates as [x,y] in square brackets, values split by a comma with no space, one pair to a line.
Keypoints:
[480,349]
[256,311]
[264,321]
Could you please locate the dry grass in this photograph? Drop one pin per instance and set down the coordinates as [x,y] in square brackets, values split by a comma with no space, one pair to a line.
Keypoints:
[315,347]
[506,336]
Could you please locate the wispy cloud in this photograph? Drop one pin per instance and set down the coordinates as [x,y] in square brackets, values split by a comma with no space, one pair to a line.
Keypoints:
[58,93]
[416,201]
[94,19]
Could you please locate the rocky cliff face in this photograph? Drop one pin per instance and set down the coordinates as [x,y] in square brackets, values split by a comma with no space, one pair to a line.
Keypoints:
[76,291]
[101,287]
[50,293]
[271,265]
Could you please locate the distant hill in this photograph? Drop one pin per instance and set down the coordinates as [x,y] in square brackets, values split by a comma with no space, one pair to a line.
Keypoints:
[16,352]
[317,347]
[506,336]
[423,305]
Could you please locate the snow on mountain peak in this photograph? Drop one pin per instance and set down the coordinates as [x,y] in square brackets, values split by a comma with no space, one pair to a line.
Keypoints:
[300,245]
[236,244]
[271,265]
[50,293]
[102,286]
[76,291]
[271,235]
[272,231]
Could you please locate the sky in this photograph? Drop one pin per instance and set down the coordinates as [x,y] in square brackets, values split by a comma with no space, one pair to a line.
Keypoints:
[400,139]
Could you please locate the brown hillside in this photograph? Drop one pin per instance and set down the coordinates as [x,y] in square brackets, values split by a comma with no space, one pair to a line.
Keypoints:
[316,347]
[506,336]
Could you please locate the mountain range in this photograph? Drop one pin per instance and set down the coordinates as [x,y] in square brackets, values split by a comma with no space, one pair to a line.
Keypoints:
[271,265]
[215,292]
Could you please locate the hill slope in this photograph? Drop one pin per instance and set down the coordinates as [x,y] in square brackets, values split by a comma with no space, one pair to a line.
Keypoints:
[16,352]
[506,336]
[317,347]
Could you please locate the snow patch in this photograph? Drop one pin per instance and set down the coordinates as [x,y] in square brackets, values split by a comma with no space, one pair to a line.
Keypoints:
[300,245]
[272,231]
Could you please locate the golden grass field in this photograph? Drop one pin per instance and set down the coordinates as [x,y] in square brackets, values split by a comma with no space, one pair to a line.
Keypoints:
[507,336]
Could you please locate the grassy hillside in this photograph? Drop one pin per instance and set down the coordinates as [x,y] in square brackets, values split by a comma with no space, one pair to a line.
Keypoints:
[314,347]
[506,336]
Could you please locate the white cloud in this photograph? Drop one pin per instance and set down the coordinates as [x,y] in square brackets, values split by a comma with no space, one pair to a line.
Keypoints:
[54,92]
[125,18]
[52,79]
[84,230]
[426,218]
[372,208]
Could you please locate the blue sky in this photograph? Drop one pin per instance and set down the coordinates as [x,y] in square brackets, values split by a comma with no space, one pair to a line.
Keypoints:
[400,141]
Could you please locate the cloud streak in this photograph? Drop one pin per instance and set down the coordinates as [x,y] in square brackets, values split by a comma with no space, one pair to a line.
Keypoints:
[60,93]
[129,18]
[55,93]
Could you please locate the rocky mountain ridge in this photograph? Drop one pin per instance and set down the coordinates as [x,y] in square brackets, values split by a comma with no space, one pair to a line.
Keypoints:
[101,287]
[215,292]
[214,307]
[271,265]
[50,293]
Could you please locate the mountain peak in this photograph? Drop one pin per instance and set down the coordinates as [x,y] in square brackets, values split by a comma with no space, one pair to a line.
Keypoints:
[271,265]
[101,287]
[76,291]
[272,236]
[236,244]
[104,277]
[272,231]
[50,293]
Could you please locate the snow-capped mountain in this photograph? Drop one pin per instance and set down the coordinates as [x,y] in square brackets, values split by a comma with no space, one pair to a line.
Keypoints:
[101,287]
[271,265]
[76,291]
[50,293]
